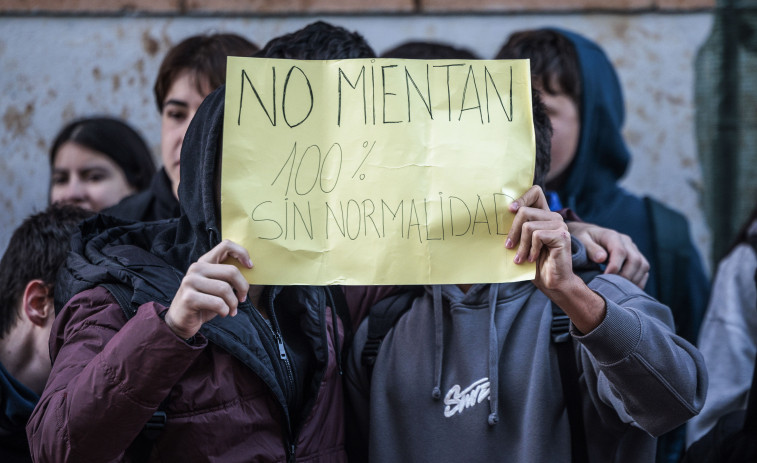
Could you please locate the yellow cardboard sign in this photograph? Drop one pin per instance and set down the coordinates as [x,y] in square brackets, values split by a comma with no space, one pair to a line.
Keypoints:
[376,171]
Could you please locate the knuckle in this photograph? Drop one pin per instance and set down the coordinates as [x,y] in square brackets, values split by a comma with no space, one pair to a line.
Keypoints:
[218,304]
[190,279]
[556,217]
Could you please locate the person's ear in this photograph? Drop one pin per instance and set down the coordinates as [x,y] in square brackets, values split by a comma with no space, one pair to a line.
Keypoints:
[38,303]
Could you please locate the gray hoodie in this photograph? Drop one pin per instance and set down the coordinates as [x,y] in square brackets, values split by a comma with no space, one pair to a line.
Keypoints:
[475,377]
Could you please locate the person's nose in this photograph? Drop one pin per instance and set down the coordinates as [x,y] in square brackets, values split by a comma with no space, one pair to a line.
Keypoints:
[75,192]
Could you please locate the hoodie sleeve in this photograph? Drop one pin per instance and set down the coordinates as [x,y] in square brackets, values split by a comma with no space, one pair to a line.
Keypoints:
[635,367]
[109,376]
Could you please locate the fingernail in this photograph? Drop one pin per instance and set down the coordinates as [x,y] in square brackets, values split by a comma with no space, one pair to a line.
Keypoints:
[509,243]
[517,259]
[531,258]
[514,206]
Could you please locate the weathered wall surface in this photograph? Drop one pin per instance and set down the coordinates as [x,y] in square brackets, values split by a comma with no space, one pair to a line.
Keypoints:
[55,68]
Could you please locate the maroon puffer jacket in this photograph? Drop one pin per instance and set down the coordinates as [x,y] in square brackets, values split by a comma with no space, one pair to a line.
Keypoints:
[110,375]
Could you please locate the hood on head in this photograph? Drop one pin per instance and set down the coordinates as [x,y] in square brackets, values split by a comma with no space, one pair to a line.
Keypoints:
[602,157]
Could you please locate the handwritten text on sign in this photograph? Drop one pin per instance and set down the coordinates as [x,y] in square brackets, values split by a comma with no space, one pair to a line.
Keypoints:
[379,171]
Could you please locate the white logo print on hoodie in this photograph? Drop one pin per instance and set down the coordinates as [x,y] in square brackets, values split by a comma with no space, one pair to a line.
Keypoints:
[458,400]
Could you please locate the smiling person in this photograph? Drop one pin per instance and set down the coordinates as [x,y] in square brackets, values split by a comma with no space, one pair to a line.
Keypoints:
[189,72]
[95,162]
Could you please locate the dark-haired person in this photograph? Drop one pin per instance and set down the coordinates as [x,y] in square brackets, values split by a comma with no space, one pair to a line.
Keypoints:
[188,73]
[95,162]
[417,49]
[229,395]
[589,157]
[28,269]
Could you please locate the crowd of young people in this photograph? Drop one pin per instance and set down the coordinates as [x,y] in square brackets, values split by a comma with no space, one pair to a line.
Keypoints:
[161,351]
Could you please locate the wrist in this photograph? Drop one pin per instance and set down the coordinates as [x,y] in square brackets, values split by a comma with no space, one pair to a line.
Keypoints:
[585,308]
[187,337]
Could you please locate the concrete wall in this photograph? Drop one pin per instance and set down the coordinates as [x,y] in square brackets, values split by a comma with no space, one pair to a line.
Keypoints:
[58,67]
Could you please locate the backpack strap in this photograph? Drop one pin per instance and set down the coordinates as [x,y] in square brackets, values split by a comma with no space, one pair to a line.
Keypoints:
[674,262]
[382,317]
[566,359]
[336,295]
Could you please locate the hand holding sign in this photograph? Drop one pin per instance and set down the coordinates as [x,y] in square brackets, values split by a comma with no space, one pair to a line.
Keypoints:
[376,171]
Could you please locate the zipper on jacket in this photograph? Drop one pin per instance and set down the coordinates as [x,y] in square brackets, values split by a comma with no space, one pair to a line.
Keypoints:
[283,357]
[291,453]
[290,390]
[273,328]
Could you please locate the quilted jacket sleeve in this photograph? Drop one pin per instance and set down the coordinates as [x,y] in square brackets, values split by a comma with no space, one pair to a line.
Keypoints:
[109,375]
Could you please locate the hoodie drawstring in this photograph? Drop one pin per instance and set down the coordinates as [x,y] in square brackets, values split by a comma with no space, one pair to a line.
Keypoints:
[335,330]
[438,342]
[493,358]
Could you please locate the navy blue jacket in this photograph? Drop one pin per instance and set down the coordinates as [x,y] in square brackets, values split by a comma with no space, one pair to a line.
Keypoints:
[591,189]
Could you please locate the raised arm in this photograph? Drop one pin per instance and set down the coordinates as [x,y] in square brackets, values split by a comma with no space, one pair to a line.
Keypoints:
[632,360]
[541,236]
[110,374]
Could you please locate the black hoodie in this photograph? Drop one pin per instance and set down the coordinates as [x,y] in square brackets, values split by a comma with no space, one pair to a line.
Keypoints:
[142,262]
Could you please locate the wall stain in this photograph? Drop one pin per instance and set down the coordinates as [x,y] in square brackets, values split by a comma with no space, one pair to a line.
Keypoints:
[150,44]
[620,29]
[167,42]
[675,100]
[96,73]
[18,121]
[68,112]
[633,138]
[116,82]
[140,66]
[6,171]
